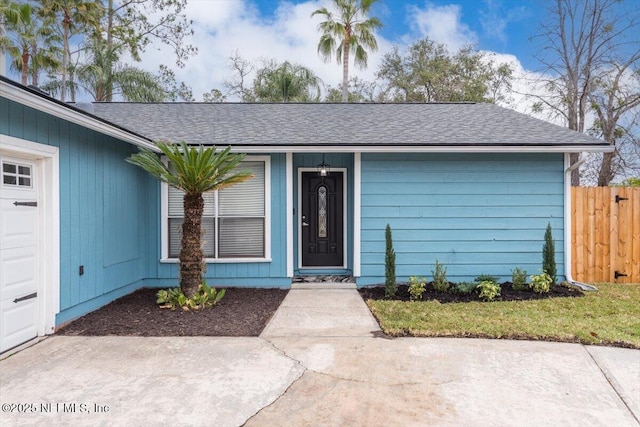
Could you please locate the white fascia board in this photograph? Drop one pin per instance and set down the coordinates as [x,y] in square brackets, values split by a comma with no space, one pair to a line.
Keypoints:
[45,105]
[423,149]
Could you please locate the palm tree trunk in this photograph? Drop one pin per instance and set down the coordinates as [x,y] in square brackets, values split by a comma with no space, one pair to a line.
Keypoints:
[34,69]
[24,67]
[191,256]
[345,66]
[65,56]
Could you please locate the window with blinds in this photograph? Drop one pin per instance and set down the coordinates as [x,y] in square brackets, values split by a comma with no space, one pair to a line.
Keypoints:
[233,221]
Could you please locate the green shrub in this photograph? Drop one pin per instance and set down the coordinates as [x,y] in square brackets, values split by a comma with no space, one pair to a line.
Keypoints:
[464,287]
[486,278]
[416,287]
[390,285]
[549,255]
[541,283]
[489,290]
[519,279]
[440,281]
[205,296]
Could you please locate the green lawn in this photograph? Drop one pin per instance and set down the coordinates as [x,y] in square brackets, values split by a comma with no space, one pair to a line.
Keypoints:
[610,316]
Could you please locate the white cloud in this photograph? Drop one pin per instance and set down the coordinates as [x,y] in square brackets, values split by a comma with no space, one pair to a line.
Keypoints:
[442,24]
[224,27]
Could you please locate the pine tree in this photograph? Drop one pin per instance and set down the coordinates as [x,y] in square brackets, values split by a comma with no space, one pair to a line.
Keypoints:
[549,254]
[390,286]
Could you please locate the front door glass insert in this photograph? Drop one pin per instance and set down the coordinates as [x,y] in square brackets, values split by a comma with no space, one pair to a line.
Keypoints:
[322,211]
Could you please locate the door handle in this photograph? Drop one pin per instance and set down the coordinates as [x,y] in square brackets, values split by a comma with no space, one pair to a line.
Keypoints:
[32,204]
[305,224]
[33,295]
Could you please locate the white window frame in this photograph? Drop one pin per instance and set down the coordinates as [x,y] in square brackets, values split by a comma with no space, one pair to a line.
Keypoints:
[164,229]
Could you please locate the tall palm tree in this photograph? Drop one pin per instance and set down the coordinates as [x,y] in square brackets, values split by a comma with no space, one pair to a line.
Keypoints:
[32,46]
[286,83]
[194,171]
[15,14]
[75,16]
[348,29]
[104,77]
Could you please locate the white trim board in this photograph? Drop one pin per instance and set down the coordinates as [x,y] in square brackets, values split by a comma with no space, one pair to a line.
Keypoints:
[289,211]
[65,112]
[357,211]
[48,164]
[422,149]
[164,226]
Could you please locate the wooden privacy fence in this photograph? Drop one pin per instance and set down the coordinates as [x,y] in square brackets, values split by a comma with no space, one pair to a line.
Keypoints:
[605,234]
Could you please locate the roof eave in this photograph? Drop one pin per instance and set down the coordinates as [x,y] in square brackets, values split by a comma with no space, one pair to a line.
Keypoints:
[63,111]
[604,148]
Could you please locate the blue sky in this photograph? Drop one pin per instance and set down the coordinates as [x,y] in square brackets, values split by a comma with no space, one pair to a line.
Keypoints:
[504,26]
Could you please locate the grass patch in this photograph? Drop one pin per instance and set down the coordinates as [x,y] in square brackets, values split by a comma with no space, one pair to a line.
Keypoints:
[610,316]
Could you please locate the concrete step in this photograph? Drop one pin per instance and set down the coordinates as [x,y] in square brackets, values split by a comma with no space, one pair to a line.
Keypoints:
[323,285]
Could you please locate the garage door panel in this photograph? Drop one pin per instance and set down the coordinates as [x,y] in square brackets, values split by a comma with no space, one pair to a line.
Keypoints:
[18,322]
[18,227]
[18,272]
[19,249]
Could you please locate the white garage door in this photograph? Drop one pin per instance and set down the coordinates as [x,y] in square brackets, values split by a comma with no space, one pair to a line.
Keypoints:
[18,252]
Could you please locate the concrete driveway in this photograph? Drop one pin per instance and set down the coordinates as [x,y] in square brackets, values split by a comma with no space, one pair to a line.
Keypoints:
[331,377]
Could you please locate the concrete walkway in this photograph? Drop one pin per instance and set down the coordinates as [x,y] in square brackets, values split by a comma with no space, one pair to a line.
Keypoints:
[322,313]
[335,374]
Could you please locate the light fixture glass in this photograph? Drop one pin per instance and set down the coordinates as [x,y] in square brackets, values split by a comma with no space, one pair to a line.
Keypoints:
[323,168]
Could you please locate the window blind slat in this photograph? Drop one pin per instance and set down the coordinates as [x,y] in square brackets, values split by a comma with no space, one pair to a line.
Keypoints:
[208,237]
[241,222]
[176,207]
[241,237]
[246,198]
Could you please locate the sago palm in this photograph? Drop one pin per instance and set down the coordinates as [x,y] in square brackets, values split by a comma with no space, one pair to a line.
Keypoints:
[348,29]
[194,171]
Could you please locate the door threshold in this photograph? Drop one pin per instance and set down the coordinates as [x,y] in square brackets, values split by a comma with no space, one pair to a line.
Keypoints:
[323,278]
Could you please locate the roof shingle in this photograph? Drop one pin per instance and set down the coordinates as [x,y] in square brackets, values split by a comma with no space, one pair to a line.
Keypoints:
[321,124]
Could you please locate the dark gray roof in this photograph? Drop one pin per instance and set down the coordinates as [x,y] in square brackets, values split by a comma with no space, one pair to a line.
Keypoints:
[246,124]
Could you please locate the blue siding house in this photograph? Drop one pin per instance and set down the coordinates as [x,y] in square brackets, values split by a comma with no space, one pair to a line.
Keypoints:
[471,185]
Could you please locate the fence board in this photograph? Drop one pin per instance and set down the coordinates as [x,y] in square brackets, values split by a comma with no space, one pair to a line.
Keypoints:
[605,234]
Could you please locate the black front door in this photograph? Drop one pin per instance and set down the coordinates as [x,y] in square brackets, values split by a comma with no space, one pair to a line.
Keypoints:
[321,220]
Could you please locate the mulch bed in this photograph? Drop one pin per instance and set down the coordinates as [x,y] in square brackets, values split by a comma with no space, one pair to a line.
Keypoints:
[507,293]
[241,313]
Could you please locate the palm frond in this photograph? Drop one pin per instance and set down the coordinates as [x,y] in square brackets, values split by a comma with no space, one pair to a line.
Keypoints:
[194,170]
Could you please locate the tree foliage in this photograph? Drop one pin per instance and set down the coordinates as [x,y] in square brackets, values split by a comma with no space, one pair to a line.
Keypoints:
[271,82]
[194,170]
[11,13]
[428,72]
[214,95]
[347,28]
[390,285]
[549,255]
[359,91]
[590,46]
[90,38]
[73,17]
[136,24]
[286,82]
[103,76]
[31,44]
